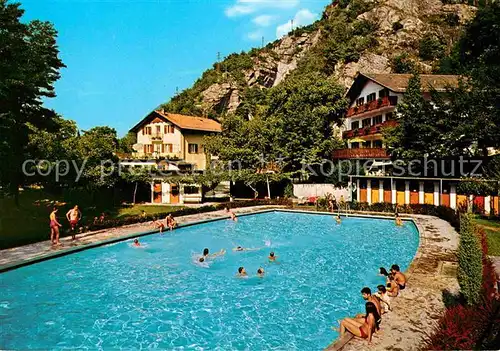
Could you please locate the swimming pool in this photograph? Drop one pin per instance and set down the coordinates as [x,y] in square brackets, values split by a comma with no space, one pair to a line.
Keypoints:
[156,296]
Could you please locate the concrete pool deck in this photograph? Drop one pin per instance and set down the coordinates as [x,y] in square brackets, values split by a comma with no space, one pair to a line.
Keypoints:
[415,310]
[32,253]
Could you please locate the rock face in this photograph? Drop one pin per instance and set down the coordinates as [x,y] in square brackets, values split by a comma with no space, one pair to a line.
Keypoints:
[271,66]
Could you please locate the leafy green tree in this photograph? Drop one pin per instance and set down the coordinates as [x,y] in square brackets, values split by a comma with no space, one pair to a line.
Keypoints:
[29,67]
[301,115]
[125,144]
[136,176]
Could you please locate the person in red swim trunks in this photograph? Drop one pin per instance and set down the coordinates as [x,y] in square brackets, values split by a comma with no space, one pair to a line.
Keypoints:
[54,227]
[362,328]
[73,216]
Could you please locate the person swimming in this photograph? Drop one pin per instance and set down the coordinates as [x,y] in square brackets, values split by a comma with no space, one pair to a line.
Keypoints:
[136,242]
[240,248]
[337,219]
[201,259]
[242,272]
[260,272]
[206,253]
[272,257]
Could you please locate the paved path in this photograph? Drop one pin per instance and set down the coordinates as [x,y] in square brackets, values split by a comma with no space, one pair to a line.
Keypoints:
[418,307]
[44,249]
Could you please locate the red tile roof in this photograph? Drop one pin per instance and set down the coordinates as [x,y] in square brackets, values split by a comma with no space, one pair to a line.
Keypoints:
[182,121]
[399,82]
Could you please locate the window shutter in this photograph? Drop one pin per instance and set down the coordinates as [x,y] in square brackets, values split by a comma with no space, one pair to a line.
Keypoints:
[162,148]
[145,147]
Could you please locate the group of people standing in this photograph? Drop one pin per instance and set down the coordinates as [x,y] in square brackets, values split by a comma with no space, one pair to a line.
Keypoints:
[73,216]
[365,325]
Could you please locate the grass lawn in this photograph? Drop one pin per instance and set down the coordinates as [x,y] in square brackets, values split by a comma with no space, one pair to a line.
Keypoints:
[29,223]
[492,229]
[149,209]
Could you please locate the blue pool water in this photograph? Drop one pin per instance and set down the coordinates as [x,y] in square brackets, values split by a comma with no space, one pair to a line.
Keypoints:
[119,296]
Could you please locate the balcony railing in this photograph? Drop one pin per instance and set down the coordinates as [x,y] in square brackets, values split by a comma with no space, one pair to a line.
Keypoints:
[372,105]
[156,137]
[377,128]
[366,153]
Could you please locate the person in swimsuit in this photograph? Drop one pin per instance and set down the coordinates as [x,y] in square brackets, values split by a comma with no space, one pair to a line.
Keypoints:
[366,293]
[231,214]
[73,216]
[260,272]
[240,248]
[384,298]
[136,242]
[272,257]
[159,225]
[383,272]
[54,227]
[206,253]
[337,219]
[362,327]
[399,223]
[398,276]
[171,223]
[242,272]
[392,286]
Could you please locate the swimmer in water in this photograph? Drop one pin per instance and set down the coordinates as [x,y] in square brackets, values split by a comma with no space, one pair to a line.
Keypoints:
[260,272]
[240,248]
[337,219]
[242,272]
[136,242]
[206,253]
[231,214]
[399,222]
[201,259]
[272,257]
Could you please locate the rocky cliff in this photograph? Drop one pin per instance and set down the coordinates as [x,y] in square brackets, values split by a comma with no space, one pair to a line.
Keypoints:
[378,36]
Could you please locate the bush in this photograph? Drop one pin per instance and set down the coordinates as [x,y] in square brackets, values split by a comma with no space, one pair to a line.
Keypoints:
[402,64]
[430,47]
[470,270]
[397,26]
[110,223]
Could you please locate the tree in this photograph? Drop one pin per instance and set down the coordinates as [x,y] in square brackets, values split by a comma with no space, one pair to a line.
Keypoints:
[470,267]
[29,67]
[301,115]
[136,176]
[125,144]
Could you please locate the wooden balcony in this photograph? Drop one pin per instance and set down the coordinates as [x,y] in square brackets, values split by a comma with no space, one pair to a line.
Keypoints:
[372,105]
[368,130]
[367,153]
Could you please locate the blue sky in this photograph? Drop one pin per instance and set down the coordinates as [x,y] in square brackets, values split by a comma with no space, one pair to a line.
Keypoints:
[125,57]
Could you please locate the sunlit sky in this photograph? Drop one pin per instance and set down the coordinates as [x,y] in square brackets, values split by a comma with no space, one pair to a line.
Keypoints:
[126,57]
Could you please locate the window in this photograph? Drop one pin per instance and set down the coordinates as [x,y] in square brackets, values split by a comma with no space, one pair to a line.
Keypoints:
[148,149]
[389,116]
[190,189]
[168,148]
[366,122]
[371,97]
[383,93]
[158,129]
[354,145]
[360,101]
[355,125]
[377,144]
[377,119]
[148,130]
[193,148]
[169,129]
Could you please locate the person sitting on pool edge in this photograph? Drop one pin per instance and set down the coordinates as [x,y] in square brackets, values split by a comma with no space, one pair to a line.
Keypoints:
[171,223]
[272,257]
[392,286]
[260,272]
[364,327]
[158,225]
[398,276]
[366,293]
[384,298]
[242,272]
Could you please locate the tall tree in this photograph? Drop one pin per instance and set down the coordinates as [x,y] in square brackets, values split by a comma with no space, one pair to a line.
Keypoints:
[29,67]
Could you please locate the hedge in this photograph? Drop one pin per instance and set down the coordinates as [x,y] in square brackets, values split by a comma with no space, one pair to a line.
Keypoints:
[110,223]
[470,268]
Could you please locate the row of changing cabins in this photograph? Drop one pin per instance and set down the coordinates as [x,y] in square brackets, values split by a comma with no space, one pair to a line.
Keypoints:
[431,191]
